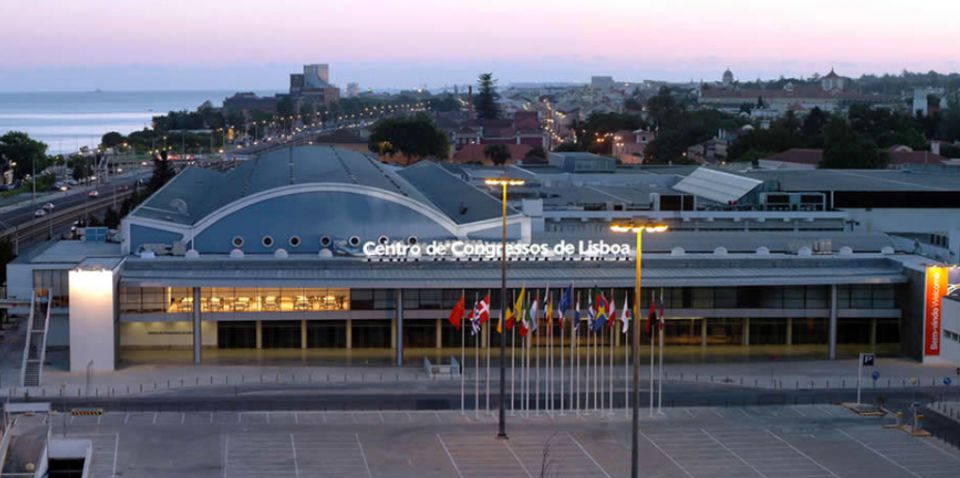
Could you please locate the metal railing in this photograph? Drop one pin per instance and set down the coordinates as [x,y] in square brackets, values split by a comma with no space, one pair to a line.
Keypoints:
[26,344]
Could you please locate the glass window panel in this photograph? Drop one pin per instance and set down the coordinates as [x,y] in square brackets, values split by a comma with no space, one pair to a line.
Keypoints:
[816,297]
[861,297]
[702,298]
[793,297]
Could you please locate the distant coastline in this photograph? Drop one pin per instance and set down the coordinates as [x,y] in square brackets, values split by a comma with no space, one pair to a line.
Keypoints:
[69,120]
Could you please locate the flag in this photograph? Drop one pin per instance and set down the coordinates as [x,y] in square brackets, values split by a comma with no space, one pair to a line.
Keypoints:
[483,309]
[625,315]
[591,314]
[532,317]
[456,315]
[651,316]
[511,313]
[549,311]
[612,313]
[566,301]
[474,317]
[576,317]
[661,319]
[600,319]
[517,308]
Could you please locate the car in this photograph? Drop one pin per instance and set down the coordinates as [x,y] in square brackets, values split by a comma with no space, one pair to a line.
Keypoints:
[93,193]
[123,189]
[48,206]
[39,213]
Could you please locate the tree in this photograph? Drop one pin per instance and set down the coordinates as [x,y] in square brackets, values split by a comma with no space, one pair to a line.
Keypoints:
[81,170]
[536,155]
[27,153]
[663,110]
[847,149]
[111,218]
[485,103]
[499,154]
[7,254]
[415,137]
[111,140]
[162,171]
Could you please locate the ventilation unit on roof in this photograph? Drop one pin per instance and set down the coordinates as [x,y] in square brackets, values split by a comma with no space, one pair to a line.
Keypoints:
[179,205]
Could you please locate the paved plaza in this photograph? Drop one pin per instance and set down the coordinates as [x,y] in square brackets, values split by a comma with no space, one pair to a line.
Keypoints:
[783,441]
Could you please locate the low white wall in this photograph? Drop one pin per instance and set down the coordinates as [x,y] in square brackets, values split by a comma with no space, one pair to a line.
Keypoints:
[950,324]
[166,334]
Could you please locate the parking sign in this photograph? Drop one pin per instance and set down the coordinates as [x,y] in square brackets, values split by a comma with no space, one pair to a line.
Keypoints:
[867,359]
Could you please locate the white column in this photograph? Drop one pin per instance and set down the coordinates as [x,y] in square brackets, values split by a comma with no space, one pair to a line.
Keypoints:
[832,340]
[197,327]
[92,323]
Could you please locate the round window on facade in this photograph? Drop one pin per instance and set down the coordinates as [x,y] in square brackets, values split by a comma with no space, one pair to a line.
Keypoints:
[294,241]
[267,241]
[326,241]
[412,240]
[383,240]
[354,241]
[237,241]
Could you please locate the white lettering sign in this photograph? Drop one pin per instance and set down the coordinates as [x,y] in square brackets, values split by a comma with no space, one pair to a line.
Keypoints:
[493,250]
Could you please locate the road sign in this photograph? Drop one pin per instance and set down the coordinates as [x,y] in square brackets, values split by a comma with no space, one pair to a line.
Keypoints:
[947,381]
[875,375]
[867,359]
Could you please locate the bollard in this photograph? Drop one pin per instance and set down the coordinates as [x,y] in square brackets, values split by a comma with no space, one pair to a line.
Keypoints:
[141,388]
[128,390]
[843,383]
[756,382]
[226,380]
[828,384]
[681,375]
[181,383]
[168,384]
[741,380]
[328,377]
[798,385]
[888,383]
[198,380]
[696,378]
[811,384]
[398,376]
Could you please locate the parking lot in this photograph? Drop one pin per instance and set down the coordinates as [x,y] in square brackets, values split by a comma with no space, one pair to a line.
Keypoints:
[783,441]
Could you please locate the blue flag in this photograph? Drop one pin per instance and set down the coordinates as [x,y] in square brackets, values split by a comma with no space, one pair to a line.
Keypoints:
[566,299]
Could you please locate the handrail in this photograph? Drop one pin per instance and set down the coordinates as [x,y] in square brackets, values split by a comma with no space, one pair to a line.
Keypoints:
[26,344]
[43,346]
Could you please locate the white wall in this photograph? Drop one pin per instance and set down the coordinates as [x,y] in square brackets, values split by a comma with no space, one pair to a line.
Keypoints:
[92,331]
[166,334]
[950,321]
[19,281]
[905,220]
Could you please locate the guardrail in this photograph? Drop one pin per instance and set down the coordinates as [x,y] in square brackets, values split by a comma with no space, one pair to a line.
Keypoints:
[26,343]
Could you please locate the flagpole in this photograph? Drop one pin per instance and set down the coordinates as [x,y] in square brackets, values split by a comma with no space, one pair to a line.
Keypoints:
[661,322]
[574,364]
[549,392]
[612,341]
[463,335]
[626,362]
[652,346]
[536,341]
[513,355]
[476,376]
[562,371]
[597,371]
[489,333]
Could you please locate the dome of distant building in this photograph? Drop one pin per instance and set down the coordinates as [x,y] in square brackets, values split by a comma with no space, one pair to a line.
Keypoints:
[727,77]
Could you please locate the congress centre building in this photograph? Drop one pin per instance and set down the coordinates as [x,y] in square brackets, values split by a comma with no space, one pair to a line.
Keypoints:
[319,255]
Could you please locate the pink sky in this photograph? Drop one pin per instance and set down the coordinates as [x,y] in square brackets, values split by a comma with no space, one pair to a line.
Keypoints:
[382,42]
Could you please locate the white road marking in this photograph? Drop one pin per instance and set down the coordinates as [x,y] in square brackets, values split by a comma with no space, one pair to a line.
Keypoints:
[296,417]
[669,457]
[125,418]
[452,461]
[874,450]
[155,417]
[183,417]
[116,451]
[585,452]
[363,455]
[801,453]
[226,453]
[296,465]
[725,447]
[689,412]
[522,466]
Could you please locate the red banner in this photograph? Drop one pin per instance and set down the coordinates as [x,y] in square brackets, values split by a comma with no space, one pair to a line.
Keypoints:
[936,287]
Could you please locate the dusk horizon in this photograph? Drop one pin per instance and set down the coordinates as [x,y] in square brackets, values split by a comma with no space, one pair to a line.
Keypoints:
[247,46]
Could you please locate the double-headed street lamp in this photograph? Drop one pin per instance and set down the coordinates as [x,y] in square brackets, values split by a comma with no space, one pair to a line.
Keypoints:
[638,228]
[503,182]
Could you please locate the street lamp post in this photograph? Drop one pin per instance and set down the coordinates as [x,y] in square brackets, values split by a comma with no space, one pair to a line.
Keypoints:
[503,182]
[638,229]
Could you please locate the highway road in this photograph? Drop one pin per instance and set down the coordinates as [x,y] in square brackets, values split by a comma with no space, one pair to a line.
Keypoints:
[18,222]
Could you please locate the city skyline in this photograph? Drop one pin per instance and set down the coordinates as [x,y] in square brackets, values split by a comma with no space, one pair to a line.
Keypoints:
[243,44]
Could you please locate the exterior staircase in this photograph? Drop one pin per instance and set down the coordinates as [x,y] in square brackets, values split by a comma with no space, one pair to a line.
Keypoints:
[35,347]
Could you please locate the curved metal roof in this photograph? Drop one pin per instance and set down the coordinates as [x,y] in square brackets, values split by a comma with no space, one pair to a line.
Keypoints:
[197,192]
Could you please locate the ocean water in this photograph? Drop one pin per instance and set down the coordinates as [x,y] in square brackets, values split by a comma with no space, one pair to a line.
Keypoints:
[67,121]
